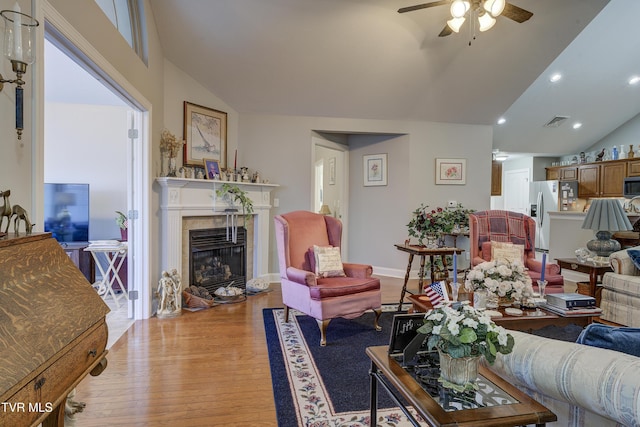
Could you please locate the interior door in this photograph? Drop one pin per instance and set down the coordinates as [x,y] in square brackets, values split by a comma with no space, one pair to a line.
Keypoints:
[516,191]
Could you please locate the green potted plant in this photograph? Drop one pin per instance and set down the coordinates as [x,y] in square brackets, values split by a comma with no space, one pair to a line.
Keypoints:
[234,195]
[123,224]
[463,335]
[429,224]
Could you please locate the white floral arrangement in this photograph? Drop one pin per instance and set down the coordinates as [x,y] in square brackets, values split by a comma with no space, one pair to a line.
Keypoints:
[464,331]
[170,144]
[502,278]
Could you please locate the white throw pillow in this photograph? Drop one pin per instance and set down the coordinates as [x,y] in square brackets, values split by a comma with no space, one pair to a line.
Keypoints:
[507,251]
[328,261]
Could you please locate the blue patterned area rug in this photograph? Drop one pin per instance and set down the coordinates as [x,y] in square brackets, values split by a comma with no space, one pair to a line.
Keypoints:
[329,386]
[326,386]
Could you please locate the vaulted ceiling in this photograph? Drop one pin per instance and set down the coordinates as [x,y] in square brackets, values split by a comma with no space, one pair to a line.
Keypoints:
[362,59]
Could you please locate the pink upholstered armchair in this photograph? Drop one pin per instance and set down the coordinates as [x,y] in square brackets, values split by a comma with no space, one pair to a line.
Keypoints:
[322,298]
[505,226]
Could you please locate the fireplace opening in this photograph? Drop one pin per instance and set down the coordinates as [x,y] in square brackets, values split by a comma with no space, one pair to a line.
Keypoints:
[214,261]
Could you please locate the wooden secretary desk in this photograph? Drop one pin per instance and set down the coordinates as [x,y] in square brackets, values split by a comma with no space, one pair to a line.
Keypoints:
[52,330]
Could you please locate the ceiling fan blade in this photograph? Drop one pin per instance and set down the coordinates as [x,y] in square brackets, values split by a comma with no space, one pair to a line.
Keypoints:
[516,13]
[423,6]
[446,31]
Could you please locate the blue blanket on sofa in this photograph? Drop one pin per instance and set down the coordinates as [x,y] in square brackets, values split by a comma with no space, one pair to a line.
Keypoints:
[623,339]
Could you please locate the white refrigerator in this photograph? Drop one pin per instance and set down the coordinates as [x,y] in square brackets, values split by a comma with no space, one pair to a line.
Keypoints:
[543,196]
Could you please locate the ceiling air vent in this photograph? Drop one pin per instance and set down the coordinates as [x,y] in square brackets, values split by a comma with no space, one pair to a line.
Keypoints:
[556,121]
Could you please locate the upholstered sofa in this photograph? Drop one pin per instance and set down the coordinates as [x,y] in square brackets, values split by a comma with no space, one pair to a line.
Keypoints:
[619,295]
[582,385]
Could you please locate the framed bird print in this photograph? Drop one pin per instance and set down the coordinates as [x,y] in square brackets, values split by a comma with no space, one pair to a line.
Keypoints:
[205,135]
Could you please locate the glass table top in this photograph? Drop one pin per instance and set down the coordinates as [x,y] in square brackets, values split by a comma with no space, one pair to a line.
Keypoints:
[425,369]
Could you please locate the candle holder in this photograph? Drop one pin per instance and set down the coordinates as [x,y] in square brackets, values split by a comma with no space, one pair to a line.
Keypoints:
[542,284]
[19,43]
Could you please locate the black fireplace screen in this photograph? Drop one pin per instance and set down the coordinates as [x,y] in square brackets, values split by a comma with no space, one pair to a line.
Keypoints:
[215,261]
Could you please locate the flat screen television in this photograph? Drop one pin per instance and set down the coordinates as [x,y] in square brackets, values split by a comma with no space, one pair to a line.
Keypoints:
[66,211]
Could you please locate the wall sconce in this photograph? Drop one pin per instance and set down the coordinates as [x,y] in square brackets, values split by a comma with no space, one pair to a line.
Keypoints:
[19,48]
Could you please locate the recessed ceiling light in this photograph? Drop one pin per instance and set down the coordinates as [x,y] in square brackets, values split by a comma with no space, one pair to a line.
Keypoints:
[634,80]
[502,121]
[555,77]
[577,125]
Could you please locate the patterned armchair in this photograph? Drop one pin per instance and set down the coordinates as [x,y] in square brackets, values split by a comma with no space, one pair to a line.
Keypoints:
[490,226]
[323,298]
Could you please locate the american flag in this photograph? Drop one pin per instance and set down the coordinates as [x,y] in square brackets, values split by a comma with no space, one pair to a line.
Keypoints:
[436,292]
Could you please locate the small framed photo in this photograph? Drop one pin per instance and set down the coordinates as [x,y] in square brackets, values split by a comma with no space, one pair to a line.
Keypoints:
[375,169]
[451,171]
[212,169]
[205,135]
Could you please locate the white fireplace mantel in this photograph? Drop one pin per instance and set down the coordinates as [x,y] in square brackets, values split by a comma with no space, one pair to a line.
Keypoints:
[183,197]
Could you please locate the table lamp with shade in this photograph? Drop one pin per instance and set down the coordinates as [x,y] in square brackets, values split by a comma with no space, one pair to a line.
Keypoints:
[605,216]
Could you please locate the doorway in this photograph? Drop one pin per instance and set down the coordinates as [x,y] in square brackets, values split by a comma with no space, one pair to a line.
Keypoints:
[330,178]
[117,167]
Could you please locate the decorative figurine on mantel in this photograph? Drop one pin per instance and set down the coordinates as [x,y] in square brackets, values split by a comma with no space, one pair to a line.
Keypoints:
[170,295]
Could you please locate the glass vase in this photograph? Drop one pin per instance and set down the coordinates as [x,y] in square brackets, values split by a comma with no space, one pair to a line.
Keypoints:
[172,167]
[461,371]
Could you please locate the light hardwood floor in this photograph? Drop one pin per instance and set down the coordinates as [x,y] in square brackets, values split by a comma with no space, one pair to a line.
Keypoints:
[206,368]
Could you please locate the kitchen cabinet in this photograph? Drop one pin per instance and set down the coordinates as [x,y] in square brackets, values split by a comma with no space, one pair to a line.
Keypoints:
[496,178]
[588,181]
[601,179]
[569,173]
[612,179]
[633,168]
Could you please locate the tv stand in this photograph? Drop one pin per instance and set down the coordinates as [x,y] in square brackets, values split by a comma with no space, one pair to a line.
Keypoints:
[83,260]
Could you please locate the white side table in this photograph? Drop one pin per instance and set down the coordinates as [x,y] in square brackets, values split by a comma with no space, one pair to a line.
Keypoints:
[114,255]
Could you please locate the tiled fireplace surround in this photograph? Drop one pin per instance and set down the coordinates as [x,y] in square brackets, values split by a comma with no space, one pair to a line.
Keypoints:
[191,204]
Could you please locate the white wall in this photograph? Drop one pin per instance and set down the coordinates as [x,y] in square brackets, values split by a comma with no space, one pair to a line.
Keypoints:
[180,87]
[16,157]
[626,135]
[84,144]
[279,146]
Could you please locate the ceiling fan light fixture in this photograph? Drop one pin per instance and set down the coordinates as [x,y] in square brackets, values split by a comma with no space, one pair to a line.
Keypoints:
[486,22]
[455,24]
[494,7]
[459,8]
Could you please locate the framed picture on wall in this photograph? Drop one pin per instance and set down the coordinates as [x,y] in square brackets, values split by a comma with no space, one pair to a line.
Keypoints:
[451,171]
[375,169]
[205,135]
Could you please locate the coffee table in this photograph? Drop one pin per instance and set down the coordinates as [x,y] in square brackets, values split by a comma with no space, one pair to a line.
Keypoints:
[496,404]
[530,320]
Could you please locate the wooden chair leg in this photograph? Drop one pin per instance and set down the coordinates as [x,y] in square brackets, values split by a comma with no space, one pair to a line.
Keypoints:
[286,313]
[322,324]
[378,312]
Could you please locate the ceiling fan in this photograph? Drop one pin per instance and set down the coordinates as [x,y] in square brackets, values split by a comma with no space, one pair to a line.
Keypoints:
[485,12]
